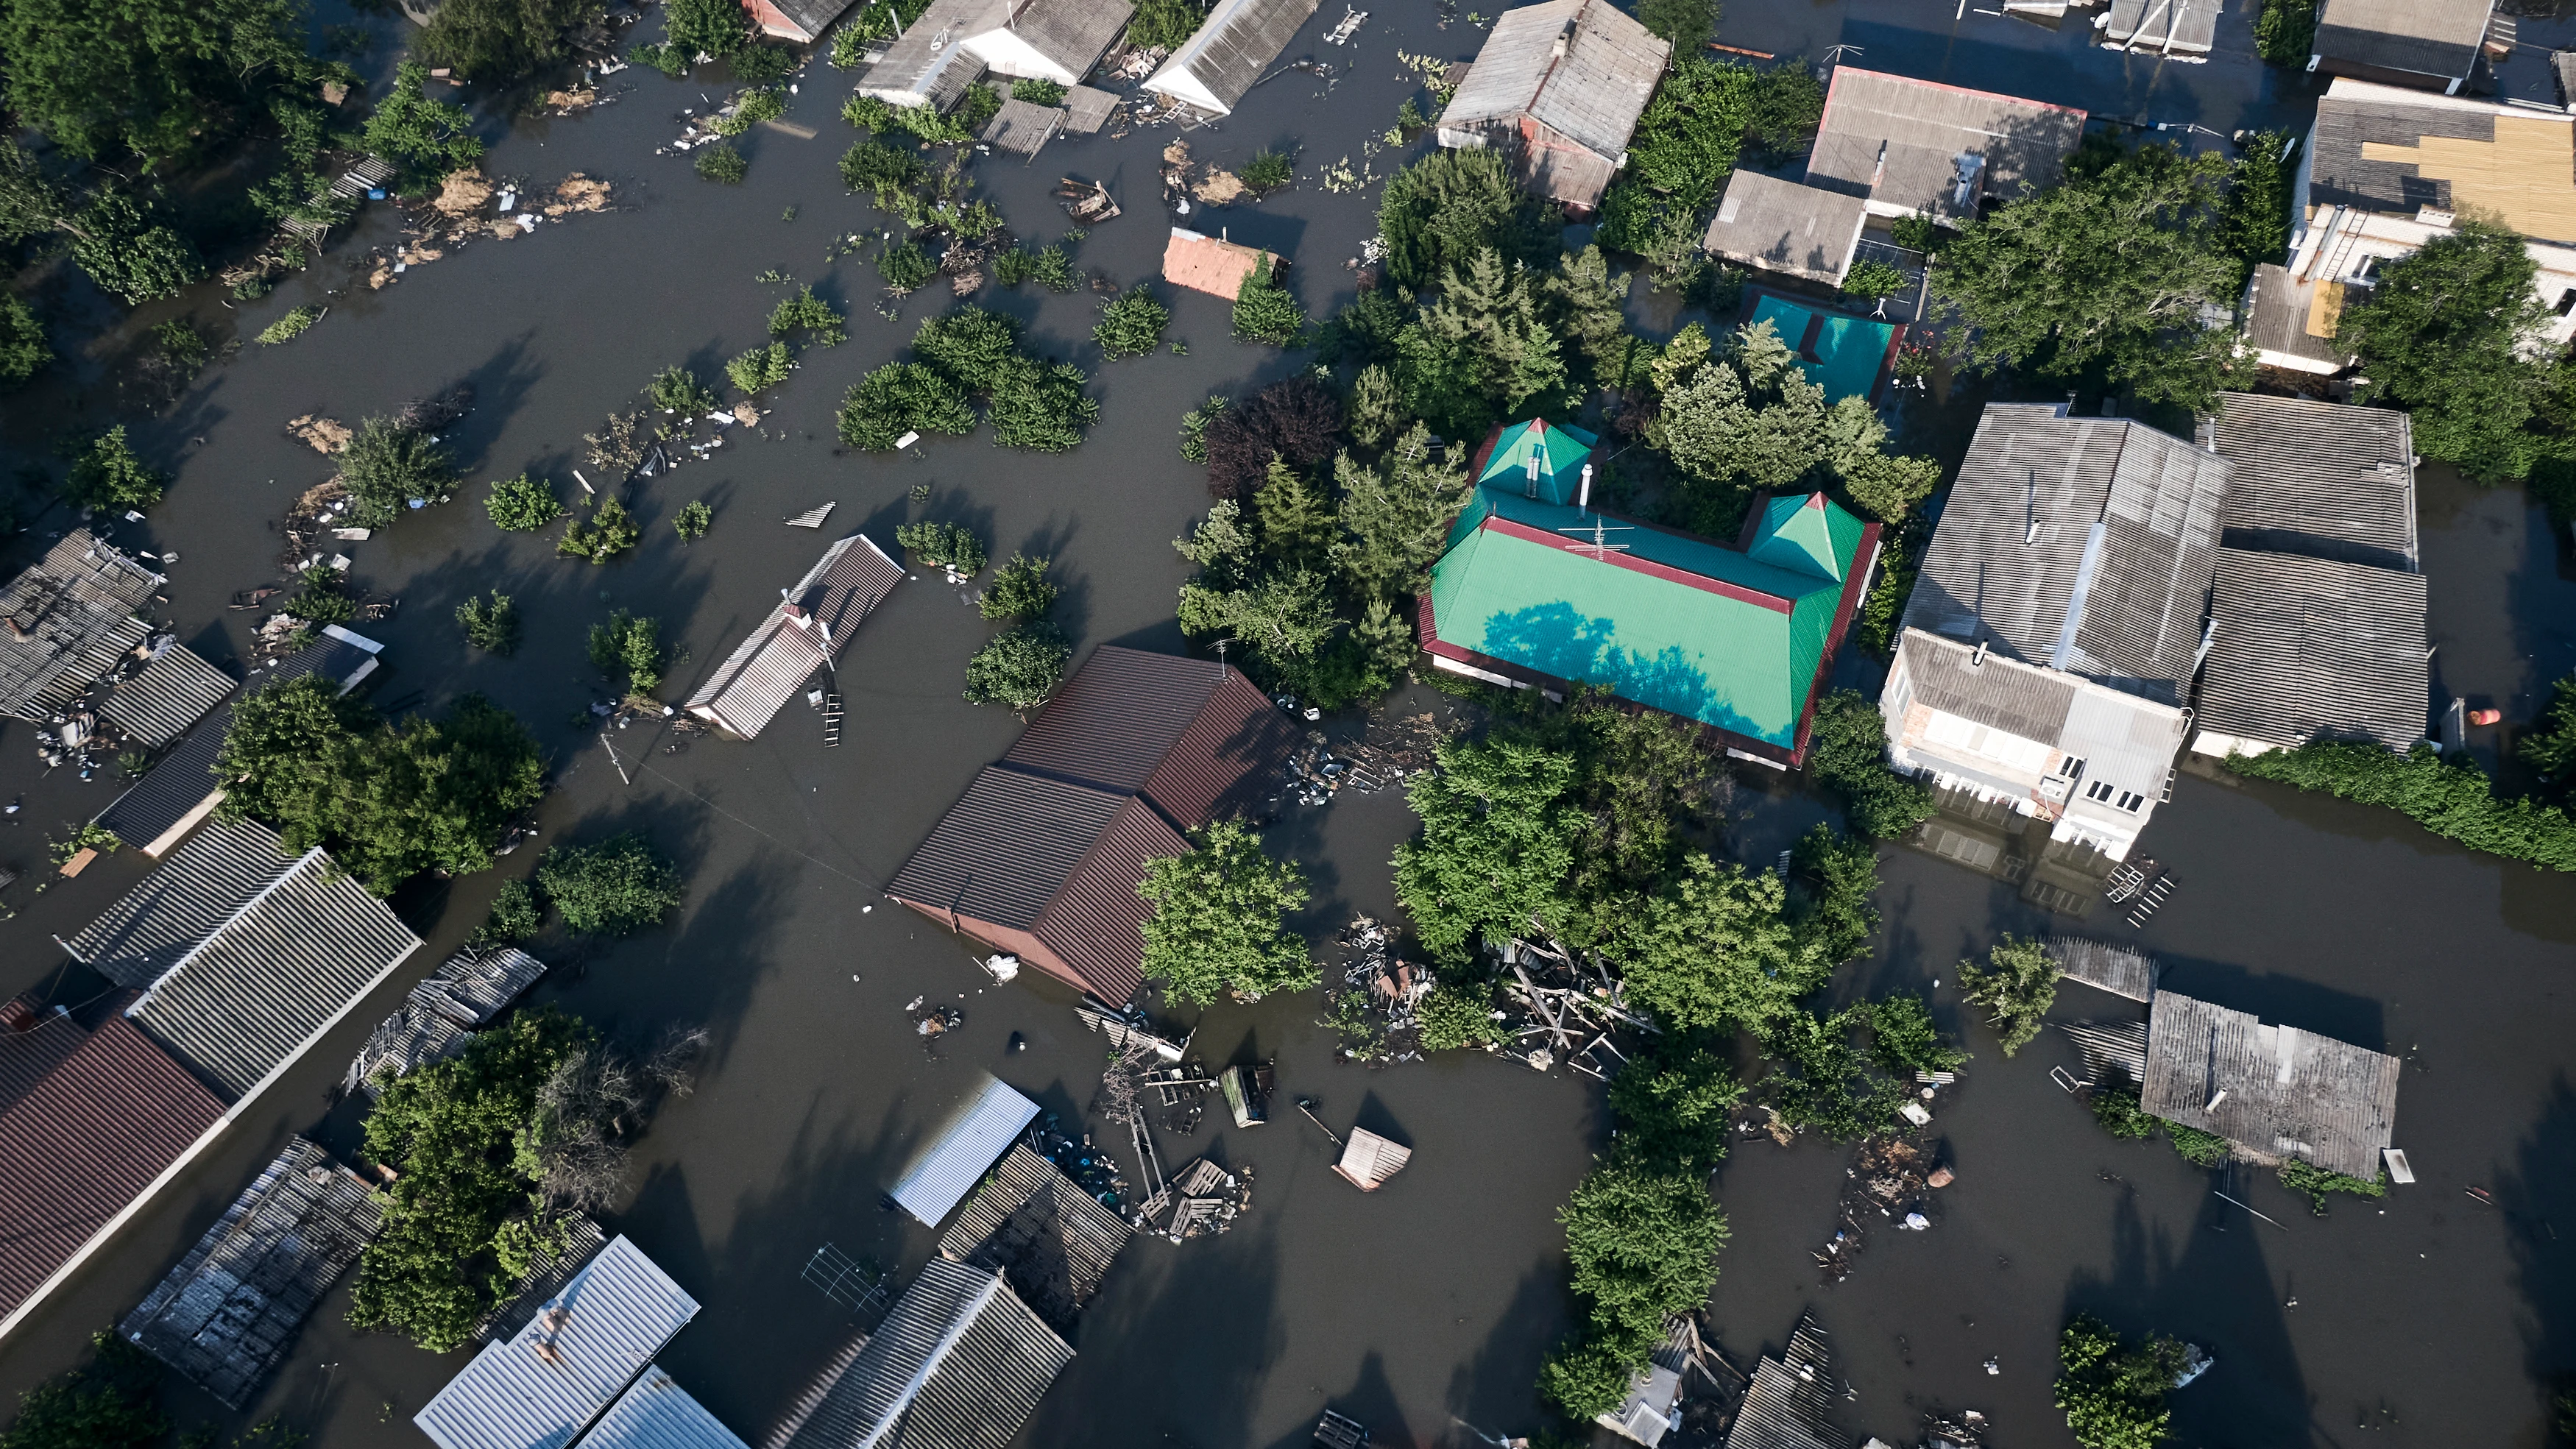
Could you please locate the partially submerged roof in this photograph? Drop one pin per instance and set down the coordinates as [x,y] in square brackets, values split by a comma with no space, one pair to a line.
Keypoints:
[161,700]
[1192,735]
[1733,639]
[656,1413]
[807,629]
[1023,127]
[965,1149]
[1788,1401]
[540,1388]
[402,1043]
[1368,1160]
[2175,27]
[474,986]
[66,621]
[2318,478]
[959,1363]
[91,1114]
[2275,1091]
[1212,265]
[2292,322]
[226,1315]
[2382,148]
[2085,544]
[245,955]
[931,64]
[1565,73]
[1045,1232]
[2437,39]
[1782,226]
[1910,146]
[1229,51]
[2123,740]
[803,21]
[2120,970]
[1537,459]
[2306,648]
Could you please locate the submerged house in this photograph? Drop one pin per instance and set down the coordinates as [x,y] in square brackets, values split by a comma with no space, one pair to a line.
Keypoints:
[1042,855]
[1783,227]
[1214,264]
[955,42]
[806,632]
[66,621]
[167,696]
[959,1363]
[2429,43]
[1231,49]
[546,1384]
[1534,593]
[2276,1092]
[974,1138]
[1558,88]
[799,22]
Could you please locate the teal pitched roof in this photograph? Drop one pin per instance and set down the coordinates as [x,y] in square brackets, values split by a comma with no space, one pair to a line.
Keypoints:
[1731,639]
[1560,451]
[1840,353]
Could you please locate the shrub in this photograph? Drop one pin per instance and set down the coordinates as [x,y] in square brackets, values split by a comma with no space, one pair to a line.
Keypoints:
[109,475]
[722,163]
[1131,324]
[761,64]
[805,312]
[1041,407]
[391,466]
[1269,171]
[2550,746]
[1164,24]
[1265,311]
[523,504]
[24,350]
[677,390]
[517,915]
[2451,798]
[290,326]
[759,368]
[1037,92]
[874,166]
[2315,1182]
[970,346]
[609,531]
[2285,33]
[323,597]
[631,644]
[905,266]
[614,888]
[1194,426]
[2201,1149]
[1847,753]
[943,545]
[1455,1016]
[720,28]
[1915,231]
[692,522]
[1871,280]
[1051,268]
[491,626]
[900,398]
[2116,1108]
[2114,1397]
[1020,590]
[2019,988]
[1018,667]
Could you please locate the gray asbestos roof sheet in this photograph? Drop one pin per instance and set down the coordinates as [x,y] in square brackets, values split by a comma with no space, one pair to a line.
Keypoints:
[1782,226]
[2306,647]
[67,621]
[960,1363]
[1900,142]
[2276,319]
[2339,173]
[161,700]
[2318,478]
[2288,1093]
[1238,42]
[543,1386]
[2424,37]
[1591,95]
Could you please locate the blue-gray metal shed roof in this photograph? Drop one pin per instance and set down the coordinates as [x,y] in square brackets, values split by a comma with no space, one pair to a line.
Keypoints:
[542,1386]
[942,1176]
[656,1413]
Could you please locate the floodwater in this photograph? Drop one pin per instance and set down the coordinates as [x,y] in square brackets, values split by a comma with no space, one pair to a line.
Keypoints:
[1425,1309]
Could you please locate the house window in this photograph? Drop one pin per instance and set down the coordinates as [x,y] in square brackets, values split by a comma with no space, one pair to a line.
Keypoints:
[2567,301]
[2098,790]
[2131,801]
[2072,767]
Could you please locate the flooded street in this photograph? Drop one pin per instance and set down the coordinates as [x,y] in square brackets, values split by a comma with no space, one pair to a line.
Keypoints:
[1423,1310]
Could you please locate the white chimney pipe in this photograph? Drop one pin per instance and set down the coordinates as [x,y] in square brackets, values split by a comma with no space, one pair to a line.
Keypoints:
[1583,500]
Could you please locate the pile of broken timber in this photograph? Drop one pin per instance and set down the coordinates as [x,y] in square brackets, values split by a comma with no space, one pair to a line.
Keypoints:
[1573,1006]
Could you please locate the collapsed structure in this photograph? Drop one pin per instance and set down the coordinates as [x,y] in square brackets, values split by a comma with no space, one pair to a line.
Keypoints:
[66,621]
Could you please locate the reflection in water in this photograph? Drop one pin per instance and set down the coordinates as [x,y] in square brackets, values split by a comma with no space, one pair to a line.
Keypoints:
[1990,837]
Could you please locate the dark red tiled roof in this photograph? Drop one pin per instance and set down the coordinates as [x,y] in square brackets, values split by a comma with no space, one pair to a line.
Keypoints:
[1006,847]
[1095,923]
[1193,735]
[89,1116]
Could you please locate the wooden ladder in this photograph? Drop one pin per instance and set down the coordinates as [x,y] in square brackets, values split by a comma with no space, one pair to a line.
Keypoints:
[831,720]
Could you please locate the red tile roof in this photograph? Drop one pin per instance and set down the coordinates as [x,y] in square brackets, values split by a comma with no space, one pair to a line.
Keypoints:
[1211,264]
[90,1115]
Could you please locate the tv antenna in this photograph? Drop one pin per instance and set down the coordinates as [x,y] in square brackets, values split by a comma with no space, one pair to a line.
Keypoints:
[1600,529]
[1220,655]
[1834,53]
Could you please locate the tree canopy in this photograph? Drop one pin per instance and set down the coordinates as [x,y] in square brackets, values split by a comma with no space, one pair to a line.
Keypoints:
[2018,986]
[160,80]
[1218,920]
[611,887]
[1497,841]
[106,1403]
[2453,333]
[1716,950]
[2114,1396]
[389,465]
[502,40]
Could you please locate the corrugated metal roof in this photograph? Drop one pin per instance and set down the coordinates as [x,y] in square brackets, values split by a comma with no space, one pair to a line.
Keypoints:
[1006,847]
[965,1149]
[1229,51]
[226,1315]
[1213,265]
[2306,648]
[472,987]
[2120,970]
[2317,478]
[2287,1092]
[540,1388]
[551,1268]
[67,621]
[766,670]
[161,700]
[2086,544]
[2437,38]
[95,1111]
[1189,733]
[186,899]
[1031,1221]
[1095,923]
[656,1413]
[1591,94]
[959,1363]
[1782,226]
[1911,145]
[2187,27]
[1788,1401]
[401,1044]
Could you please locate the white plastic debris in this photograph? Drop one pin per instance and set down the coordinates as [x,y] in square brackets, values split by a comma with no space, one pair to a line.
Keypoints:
[1916,1222]
[906,441]
[720,419]
[353,535]
[1913,1112]
[509,199]
[340,562]
[527,221]
[133,517]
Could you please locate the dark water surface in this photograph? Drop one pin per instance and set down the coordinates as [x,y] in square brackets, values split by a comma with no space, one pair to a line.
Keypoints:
[1429,1304]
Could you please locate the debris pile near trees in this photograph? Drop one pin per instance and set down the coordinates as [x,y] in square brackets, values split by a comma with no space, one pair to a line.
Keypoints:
[1571,1009]
[323,435]
[1889,1178]
[1202,1201]
[470,205]
[1374,1009]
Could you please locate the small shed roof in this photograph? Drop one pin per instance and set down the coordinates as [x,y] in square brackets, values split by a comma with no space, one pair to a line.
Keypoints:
[245,955]
[472,987]
[1023,127]
[656,1413]
[1782,226]
[1212,264]
[161,700]
[959,1363]
[2318,478]
[2185,27]
[2290,325]
[1368,1159]
[807,629]
[66,621]
[931,63]
[2305,648]
[1228,52]
[91,1112]
[1919,146]
[1581,68]
[1087,109]
[2120,970]
[2275,1091]
[2432,38]
[225,1316]
[964,1151]
[1046,1233]
[543,1386]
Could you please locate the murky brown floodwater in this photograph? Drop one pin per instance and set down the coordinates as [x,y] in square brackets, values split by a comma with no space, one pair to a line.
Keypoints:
[1429,1305]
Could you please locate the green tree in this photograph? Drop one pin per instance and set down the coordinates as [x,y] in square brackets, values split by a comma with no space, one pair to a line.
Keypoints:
[523,504]
[159,80]
[2550,747]
[1018,667]
[1021,590]
[1377,409]
[1820,1078]
[503,40]
[1131,324]
[1218,920]
[389,467]
[1164,24]
[692,521]
[517,915]
[1644,1247]
[819,320]
[1395,514]
[106,1403]
[629,644]
[1439,212]
[971,347]
[2452,333]
[2105,274]
[900,398]
[1592,306]
[2117,1109]
[130,255]
[761,367]
[1904,1039]
[711,27]
[721,164]
[1673,1106]
[951,546]
[109,476]
[426,139]
[1714,950]
[1847,753]
[1456,1015]
[2452,798]
[1685,23]
[1498,838]
[1296,520]
[1484,350]
[23,348]
[1872,279]
[1833,878]
[2018,988]
[1283,618]
[1040,406]
[490,625]
[1264,311]
[609,531]
[2113,1395]
[2285,33]
[613,887]
[677,390]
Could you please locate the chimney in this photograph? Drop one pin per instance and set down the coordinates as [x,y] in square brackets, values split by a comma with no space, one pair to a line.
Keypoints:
[1583,500]
[1978,659]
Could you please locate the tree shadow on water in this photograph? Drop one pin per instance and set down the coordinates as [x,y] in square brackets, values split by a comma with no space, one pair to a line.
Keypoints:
[2545,1172]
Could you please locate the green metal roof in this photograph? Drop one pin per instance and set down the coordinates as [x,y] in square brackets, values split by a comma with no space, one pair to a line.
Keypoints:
[1561,453]
[1677,623]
